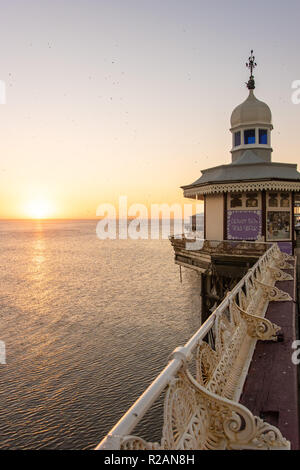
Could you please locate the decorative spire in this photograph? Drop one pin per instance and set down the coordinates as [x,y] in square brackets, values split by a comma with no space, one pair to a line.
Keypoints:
[251,66]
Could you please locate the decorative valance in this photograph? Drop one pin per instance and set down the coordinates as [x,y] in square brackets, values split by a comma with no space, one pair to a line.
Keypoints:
[242,186]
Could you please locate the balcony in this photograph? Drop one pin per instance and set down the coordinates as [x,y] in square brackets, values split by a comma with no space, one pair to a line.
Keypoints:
[233,384]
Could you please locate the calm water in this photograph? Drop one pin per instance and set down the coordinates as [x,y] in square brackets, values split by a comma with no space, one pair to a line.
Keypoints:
[87,324]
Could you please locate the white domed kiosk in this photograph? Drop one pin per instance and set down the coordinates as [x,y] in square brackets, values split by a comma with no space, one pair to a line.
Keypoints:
[253,198]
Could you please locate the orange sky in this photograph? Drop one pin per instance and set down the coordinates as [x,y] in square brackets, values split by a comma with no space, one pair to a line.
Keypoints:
[132,98]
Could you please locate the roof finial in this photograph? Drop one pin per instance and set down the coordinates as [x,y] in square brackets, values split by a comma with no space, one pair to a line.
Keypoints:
[251,66]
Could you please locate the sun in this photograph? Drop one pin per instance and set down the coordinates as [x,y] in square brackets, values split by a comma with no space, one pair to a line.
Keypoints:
[39,209]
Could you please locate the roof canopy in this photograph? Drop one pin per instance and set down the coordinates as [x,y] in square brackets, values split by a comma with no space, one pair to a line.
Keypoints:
[250,168]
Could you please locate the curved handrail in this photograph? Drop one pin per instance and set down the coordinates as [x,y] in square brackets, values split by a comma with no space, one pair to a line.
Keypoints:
[180,355]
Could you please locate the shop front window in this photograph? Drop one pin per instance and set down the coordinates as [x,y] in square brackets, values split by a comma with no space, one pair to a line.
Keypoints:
[284,200]
[278,225]
[263,136]
[249,136]
[297,210]
[279,216]
[236,200]
[251,199]
[273,200]
[237,139]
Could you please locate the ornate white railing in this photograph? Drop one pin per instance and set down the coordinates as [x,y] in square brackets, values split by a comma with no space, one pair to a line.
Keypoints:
[203,380]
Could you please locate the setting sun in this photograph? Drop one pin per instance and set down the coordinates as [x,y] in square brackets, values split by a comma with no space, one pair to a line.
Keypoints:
[39,209]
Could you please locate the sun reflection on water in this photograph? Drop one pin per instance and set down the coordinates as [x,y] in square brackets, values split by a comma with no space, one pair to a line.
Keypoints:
[38,249]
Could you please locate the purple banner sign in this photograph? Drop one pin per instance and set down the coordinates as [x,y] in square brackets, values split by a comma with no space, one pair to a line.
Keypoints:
[243,225]
[286,247]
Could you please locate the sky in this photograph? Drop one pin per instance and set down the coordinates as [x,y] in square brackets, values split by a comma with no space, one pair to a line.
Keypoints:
[133,97]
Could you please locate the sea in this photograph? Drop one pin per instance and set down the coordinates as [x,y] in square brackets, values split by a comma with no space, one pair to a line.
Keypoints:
[87,325]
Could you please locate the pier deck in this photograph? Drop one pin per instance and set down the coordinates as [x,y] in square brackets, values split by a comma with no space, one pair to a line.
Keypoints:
[233,385]
[271,387]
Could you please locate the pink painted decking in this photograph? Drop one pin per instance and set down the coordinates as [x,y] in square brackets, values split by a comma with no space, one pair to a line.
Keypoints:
[271,387]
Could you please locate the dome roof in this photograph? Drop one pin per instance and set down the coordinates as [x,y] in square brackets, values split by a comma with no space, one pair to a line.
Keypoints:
[251,111]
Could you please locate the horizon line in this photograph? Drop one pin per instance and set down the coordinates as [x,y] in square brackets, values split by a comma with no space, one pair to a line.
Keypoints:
[7,219]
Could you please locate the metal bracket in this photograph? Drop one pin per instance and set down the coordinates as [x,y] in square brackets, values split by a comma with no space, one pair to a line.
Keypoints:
[259,327]
[279,275]
[273,294]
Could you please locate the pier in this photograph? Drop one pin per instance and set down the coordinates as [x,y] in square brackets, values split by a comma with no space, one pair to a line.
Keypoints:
[234,384]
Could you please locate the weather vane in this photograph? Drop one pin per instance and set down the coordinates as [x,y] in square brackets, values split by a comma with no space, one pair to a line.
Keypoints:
[251,66]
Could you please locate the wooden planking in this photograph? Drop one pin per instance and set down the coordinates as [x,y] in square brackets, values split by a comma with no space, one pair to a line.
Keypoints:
[271,387]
